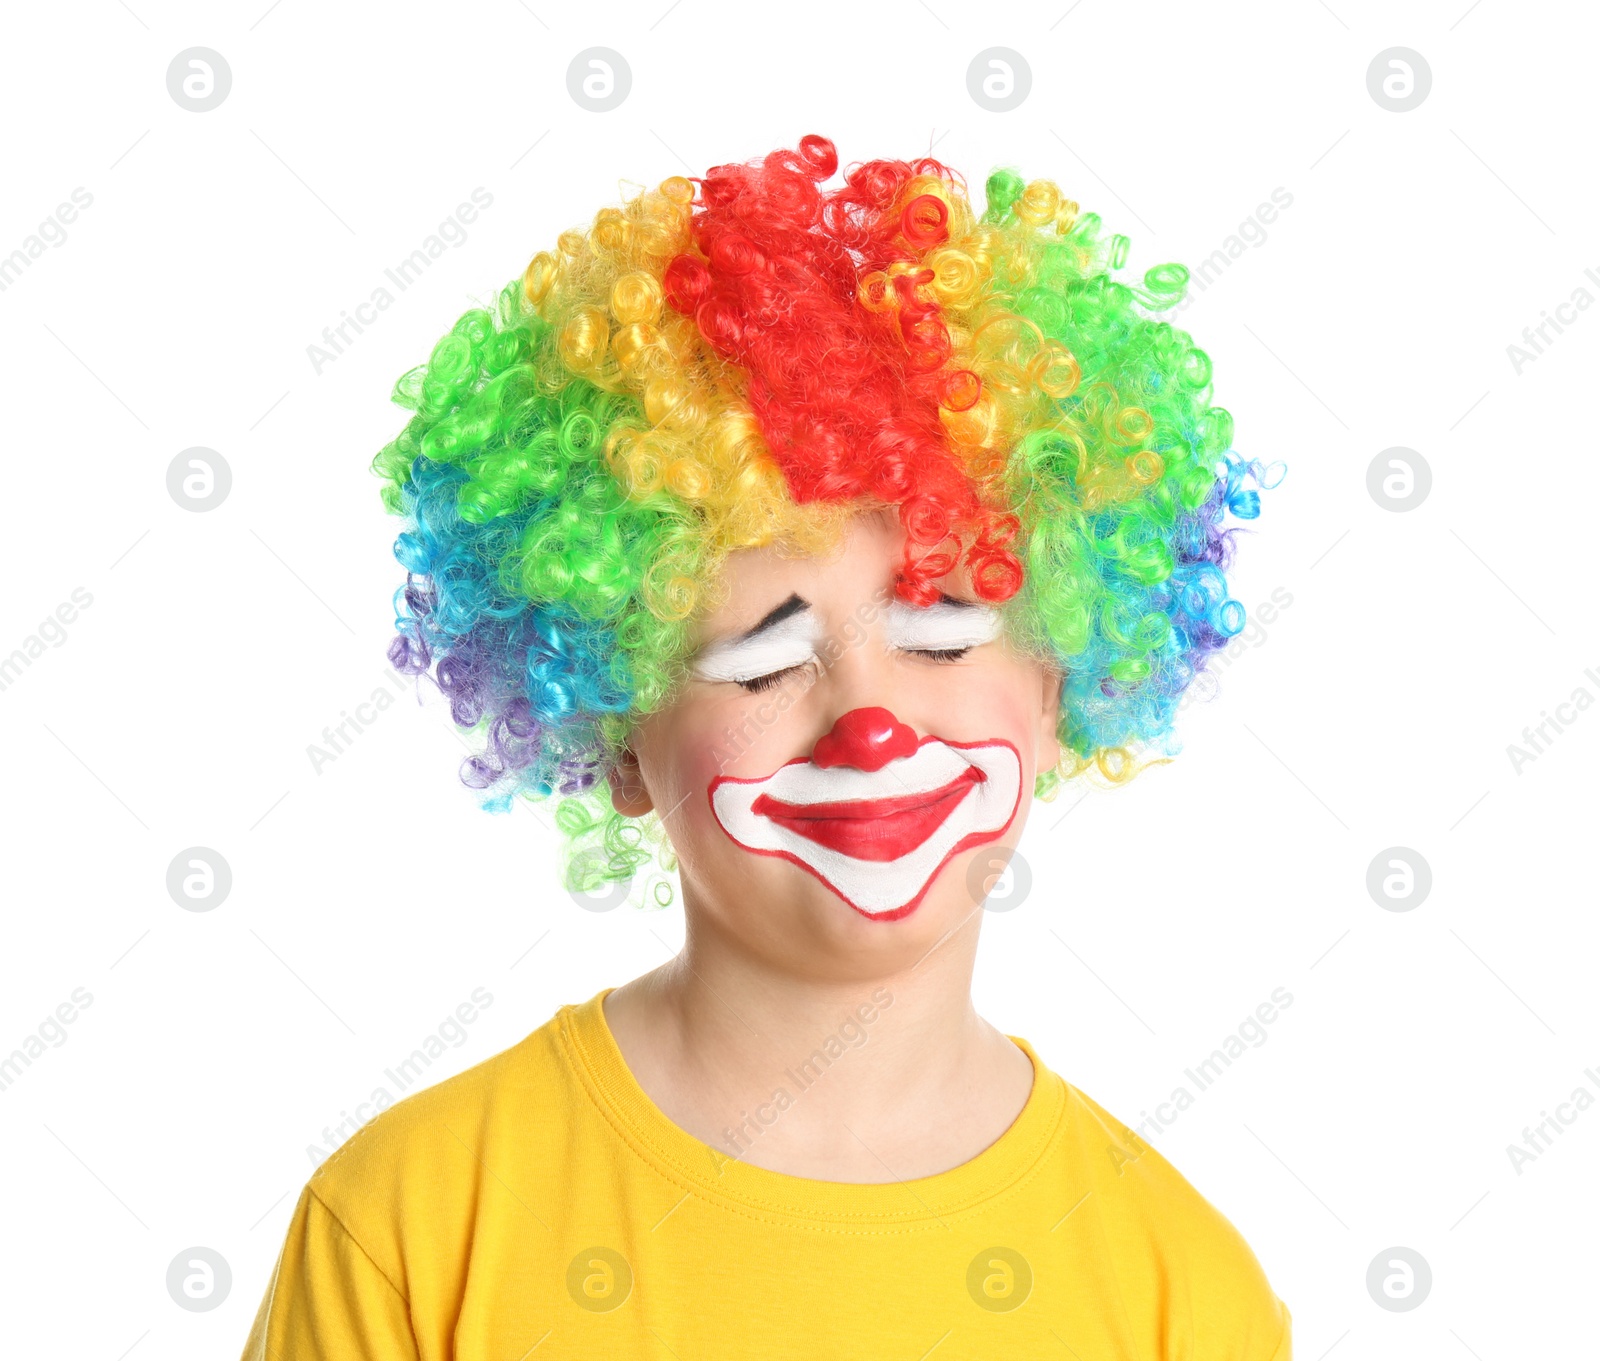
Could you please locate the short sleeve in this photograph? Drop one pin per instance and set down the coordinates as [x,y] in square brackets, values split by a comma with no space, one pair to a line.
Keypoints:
[1284,1352]
[327,1300]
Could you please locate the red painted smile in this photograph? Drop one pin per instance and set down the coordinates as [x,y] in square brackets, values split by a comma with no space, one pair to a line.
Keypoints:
[871,829]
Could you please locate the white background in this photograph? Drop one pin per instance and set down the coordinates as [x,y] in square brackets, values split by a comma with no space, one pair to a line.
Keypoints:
[370,899]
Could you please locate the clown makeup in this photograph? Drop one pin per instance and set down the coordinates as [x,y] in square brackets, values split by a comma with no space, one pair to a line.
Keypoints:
[784,640]
[875,814]
[788,638]
[948,625]
[842,758]
[764,308]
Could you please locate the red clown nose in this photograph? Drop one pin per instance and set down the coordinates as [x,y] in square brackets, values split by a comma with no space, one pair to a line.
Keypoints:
[867,739]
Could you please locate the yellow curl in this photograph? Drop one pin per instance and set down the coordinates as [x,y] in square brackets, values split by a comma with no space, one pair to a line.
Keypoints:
[585,340]
[636,297]
[1039,204]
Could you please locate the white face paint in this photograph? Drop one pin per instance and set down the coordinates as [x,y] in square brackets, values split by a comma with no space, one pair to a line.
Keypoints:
[945,626]
[790,642]
[876,838]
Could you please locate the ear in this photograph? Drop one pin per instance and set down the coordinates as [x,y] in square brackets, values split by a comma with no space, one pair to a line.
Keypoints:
[1049,744]
[628,794]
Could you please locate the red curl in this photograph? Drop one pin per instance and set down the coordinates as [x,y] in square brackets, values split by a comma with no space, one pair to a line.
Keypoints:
[735,254]
[820,154]
[847,395]
[997,577]
[924,220]
[686,282]
[960,390]
[925,519]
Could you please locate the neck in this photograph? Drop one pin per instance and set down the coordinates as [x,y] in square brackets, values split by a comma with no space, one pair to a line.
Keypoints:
[884,1076]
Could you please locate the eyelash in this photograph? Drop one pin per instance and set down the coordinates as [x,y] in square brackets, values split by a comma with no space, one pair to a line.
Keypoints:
[935,654]
[767,681]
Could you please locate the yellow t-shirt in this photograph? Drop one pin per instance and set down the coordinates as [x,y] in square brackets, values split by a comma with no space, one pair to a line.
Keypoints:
[540,1207]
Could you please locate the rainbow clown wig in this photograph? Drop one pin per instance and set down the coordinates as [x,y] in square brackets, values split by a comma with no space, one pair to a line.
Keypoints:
[749,358]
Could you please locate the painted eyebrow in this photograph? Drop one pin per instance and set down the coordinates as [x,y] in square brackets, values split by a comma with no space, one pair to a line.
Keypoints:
[790,607]
[795,604]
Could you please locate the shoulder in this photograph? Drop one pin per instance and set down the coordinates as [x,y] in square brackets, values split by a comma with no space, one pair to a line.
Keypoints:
[1202,1278]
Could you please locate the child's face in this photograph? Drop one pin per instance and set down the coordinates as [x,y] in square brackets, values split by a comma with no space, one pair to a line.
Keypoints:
[795,830]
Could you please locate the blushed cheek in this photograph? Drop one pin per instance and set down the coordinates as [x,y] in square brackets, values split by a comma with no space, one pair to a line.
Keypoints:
[751,735]
[744,736]
[688,753]
[700,761]
[691,762]
[989,705]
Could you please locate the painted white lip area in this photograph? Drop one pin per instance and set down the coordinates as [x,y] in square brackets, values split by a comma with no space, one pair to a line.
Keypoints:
[884,890]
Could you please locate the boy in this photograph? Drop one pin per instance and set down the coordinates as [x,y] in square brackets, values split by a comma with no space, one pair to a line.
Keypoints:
[817,529]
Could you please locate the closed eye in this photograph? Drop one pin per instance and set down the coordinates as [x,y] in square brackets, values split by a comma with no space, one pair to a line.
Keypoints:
[760,659]
[943,631]
[756,684]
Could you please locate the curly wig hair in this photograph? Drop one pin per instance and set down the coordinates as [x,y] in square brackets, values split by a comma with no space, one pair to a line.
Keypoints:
[750,358]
